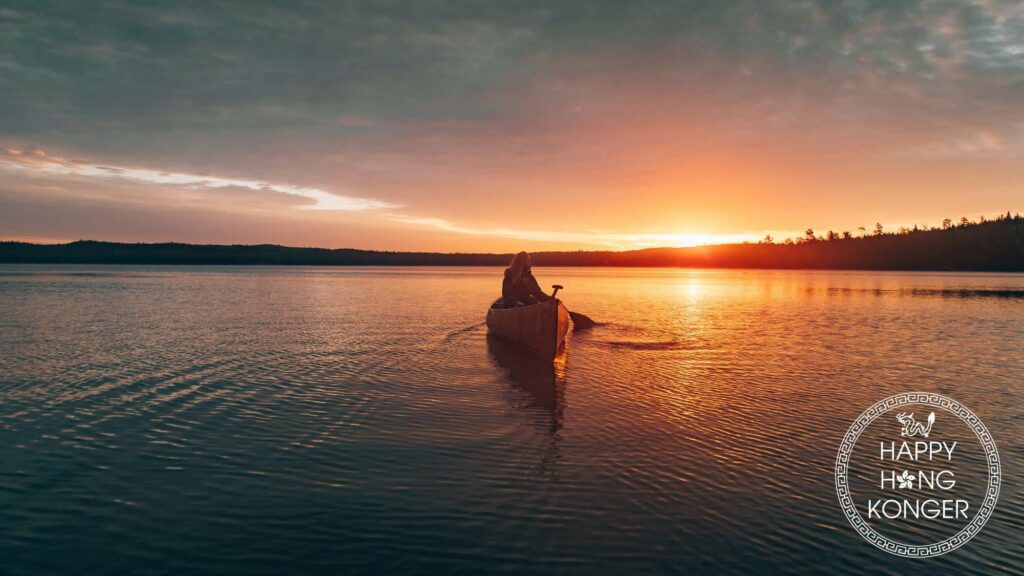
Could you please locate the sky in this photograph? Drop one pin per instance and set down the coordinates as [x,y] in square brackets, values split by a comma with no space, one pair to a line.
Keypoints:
[499,126]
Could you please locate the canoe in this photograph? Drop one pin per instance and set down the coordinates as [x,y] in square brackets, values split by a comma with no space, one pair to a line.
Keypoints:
[539,328]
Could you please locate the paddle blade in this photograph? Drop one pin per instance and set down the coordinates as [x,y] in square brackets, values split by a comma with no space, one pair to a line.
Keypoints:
[581,321]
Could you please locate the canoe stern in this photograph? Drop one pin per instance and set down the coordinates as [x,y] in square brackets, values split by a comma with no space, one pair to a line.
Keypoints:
[540,328]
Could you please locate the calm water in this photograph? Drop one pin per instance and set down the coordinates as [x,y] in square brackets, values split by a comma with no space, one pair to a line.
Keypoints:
[261,420]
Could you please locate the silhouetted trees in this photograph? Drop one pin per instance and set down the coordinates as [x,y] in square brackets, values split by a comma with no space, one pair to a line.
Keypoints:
[996,244]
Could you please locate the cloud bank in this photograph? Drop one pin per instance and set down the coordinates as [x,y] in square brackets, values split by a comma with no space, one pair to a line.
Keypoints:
[645,120]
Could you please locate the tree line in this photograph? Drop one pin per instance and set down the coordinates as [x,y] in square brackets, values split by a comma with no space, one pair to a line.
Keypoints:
[984,245]
[878,230]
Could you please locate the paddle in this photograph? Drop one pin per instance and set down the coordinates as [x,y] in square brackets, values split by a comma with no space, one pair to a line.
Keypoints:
[579,321]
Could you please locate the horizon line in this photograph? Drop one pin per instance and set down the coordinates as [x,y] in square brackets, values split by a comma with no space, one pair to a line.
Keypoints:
[948,224]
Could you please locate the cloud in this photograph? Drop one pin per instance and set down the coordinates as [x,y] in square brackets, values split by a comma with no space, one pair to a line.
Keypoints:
[618,241]
[130,68]
[698,115]
[39,162]
[985,144]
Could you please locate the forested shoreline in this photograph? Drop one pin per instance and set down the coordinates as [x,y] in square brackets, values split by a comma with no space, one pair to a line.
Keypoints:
[992,245]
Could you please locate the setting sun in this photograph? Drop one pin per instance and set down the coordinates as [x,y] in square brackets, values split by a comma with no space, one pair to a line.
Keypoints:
[702,125]
[488,287]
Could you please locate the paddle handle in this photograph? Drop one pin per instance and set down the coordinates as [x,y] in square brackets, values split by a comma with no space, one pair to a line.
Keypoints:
[557,287]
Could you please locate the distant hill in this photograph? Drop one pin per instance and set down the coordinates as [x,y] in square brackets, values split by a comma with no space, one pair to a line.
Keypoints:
[996,245]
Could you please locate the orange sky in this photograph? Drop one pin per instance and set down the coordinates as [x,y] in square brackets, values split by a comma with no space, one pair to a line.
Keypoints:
[588,126]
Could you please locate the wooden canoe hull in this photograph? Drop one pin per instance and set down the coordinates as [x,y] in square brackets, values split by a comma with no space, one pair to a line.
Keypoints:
[540,328]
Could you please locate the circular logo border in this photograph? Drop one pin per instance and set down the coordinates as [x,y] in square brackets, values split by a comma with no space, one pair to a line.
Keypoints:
[991,491]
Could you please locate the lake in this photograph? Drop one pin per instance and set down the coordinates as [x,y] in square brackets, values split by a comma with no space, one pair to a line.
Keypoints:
[265,420]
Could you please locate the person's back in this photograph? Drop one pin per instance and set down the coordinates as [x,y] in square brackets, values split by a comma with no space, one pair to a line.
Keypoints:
[519,287]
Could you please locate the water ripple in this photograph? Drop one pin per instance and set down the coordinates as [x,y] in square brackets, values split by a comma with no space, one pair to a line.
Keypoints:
[265,420]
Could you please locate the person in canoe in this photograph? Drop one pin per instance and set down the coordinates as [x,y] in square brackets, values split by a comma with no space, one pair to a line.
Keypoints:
[520,288]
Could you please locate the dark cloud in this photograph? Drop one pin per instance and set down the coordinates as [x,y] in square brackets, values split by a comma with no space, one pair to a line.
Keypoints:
[161,69]
[450,108]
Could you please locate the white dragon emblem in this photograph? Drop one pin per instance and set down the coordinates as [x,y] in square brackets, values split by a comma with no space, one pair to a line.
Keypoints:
[912,427]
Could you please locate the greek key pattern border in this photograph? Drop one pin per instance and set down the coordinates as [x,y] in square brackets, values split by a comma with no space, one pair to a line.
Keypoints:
[991,491]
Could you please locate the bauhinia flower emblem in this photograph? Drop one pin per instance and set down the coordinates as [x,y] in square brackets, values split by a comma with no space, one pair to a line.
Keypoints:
[906,480]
